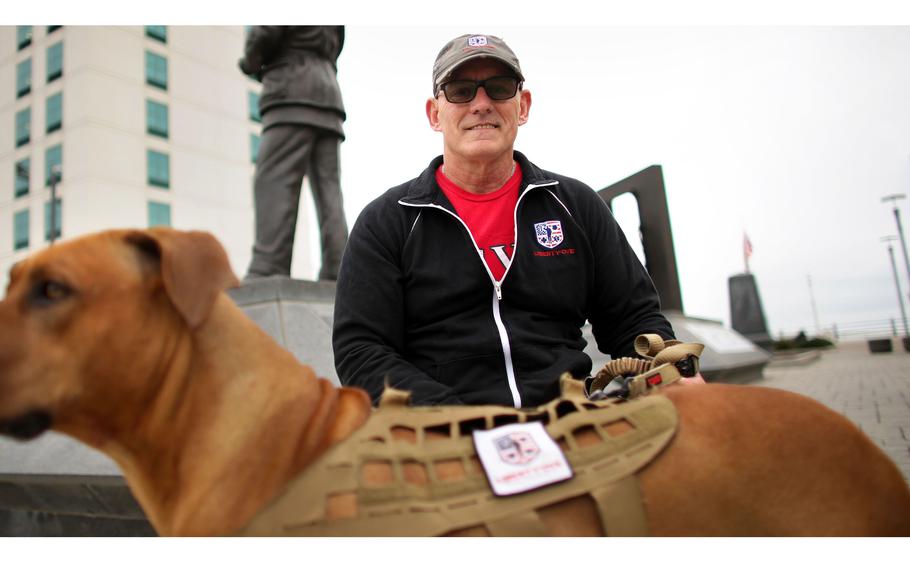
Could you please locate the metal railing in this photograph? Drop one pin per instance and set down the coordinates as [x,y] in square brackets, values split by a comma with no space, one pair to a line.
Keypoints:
[889,327]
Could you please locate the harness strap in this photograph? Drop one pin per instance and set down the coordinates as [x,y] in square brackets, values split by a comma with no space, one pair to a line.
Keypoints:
[526,523]
[621,508]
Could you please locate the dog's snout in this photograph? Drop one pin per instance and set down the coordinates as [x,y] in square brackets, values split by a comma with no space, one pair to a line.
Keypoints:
[28,426]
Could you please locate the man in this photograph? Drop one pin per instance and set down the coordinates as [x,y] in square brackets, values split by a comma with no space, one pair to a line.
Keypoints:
[470,283]
[302,113]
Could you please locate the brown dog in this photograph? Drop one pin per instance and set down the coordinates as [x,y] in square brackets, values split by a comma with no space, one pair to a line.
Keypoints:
[125,341]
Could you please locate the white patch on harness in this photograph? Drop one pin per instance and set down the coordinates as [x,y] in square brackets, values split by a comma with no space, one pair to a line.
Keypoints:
[520,457]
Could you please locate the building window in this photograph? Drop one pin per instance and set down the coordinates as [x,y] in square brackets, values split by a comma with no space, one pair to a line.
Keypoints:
[21,173]
[156,118]
[20,230]
[24,78]
[23,36]
[159,214]
[53,156]
[54,112]
[58,219]
[52,29]
[155,70]
[157,32]
[254,147]
[159,169]
[254,107]
[55,61]
[23,126]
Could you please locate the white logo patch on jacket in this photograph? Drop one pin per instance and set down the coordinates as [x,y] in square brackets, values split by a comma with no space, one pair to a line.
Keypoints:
[549,233]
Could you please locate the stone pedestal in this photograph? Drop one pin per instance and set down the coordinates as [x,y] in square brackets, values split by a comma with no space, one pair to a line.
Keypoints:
[728,356]
[297,314]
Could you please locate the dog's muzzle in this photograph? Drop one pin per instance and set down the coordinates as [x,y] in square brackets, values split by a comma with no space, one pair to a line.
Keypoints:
[28,426]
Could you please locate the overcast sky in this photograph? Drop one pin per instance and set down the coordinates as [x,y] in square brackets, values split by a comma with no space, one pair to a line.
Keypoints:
[789,134]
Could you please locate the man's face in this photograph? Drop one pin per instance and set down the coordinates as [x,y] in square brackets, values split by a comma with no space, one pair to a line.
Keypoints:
[481,129]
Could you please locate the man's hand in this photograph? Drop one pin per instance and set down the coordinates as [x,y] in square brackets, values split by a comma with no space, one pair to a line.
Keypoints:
[696,380]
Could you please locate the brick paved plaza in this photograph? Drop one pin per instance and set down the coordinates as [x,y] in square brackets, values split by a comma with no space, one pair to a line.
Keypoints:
[872,390]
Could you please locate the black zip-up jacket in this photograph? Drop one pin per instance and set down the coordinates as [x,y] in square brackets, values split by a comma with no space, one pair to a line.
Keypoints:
[416,305]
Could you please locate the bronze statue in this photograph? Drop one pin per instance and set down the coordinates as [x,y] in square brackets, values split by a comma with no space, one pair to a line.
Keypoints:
[302,114]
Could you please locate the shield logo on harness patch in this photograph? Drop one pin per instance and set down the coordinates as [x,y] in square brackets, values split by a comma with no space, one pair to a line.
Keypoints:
[549,233]
[517,448]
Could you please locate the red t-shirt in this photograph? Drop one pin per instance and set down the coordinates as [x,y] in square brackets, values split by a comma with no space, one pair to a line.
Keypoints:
[490,218]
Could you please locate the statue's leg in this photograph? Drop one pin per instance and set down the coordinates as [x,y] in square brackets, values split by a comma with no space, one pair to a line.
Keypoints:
[326,187]
[284,154]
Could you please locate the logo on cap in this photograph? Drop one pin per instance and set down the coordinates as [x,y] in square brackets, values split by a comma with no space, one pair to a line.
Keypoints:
[477,41]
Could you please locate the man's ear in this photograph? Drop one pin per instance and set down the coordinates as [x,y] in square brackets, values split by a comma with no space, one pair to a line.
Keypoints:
[433,114]
[524,106]
[194,268]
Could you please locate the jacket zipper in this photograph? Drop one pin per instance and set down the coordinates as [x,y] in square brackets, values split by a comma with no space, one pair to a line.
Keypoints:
[497,286]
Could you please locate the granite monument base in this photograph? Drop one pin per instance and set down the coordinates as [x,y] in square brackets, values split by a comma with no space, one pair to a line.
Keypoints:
[728,356]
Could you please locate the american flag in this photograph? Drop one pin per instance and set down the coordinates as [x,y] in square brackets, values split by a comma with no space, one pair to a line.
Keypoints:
[747,250]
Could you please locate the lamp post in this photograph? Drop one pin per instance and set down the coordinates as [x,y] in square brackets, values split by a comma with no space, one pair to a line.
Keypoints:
[897,284]
[900,229]
[55,178]
[818,330]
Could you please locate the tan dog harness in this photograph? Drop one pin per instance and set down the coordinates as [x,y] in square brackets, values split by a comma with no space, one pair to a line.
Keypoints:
[413,471]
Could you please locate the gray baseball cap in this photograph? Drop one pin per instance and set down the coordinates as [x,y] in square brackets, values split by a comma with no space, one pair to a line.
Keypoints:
[472,46]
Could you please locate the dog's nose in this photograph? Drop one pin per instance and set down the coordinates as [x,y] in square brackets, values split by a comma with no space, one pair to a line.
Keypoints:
[29,425]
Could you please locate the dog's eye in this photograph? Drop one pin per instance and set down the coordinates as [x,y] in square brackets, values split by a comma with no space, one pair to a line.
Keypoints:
[48,291]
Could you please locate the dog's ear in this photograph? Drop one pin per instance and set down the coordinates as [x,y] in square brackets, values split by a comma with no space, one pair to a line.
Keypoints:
[194,268]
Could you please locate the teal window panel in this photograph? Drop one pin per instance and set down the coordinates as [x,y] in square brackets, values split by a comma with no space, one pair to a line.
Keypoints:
[23,126]
[20,229]
[54,112]
[58,219]
[24,78]
[155,70]
[23,36]
[21,174]
[254,147]
[53,156]
[157,32]
[254,107]
[159,214]
[156,118]
[159,169]
[55,61]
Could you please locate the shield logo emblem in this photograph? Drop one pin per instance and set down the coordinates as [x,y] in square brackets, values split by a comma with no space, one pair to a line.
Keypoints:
[549,233]
[477,41]
[517,448]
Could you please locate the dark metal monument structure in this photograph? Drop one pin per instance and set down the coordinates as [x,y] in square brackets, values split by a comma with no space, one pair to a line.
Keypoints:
[746,313]
[728,356]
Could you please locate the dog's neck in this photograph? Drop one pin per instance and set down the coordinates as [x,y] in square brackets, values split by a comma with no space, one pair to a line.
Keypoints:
[234,419]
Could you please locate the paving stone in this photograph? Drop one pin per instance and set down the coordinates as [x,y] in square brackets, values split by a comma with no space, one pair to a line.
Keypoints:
[873,391]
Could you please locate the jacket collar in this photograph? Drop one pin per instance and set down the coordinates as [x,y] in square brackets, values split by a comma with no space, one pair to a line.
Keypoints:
[423,190]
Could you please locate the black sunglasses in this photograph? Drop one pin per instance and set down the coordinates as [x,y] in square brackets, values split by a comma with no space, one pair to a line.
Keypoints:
[464,90]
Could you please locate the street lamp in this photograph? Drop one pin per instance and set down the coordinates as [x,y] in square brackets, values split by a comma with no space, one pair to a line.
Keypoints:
[900,230]
[55,178]
[897,284]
